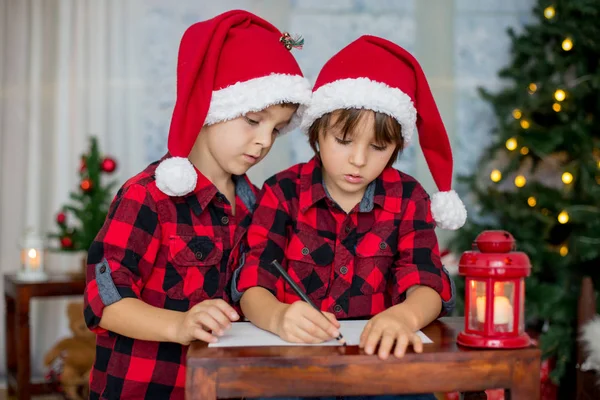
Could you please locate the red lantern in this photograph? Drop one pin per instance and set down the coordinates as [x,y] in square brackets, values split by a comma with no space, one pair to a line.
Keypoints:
[494,292]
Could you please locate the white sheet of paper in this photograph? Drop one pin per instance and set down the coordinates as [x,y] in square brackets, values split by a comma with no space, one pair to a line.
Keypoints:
[246,334]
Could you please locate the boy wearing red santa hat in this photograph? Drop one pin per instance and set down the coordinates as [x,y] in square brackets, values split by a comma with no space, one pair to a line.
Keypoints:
[354,233]
[160,268]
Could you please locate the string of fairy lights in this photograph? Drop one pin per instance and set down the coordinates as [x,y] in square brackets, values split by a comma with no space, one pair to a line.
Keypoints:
[512,143]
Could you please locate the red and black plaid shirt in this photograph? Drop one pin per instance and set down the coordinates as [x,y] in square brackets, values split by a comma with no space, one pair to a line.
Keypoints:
[171,253]
[353,264]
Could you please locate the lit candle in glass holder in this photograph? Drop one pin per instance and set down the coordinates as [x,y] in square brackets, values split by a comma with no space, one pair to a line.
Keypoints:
[32,258]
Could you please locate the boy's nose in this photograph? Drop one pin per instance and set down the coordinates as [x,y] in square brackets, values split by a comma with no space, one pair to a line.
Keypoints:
[358,158]
[264,138]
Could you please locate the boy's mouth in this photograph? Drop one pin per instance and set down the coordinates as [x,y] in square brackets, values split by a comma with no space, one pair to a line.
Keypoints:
[351,178]
[250,158]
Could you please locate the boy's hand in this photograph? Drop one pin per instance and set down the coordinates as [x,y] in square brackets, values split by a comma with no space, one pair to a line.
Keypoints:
[199,321]
[300,323]
[387,329]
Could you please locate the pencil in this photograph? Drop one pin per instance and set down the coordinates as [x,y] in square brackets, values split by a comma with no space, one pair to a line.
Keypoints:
[303,295]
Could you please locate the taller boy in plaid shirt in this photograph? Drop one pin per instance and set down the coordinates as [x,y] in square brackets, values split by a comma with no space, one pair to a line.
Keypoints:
[160,268]
[354,233]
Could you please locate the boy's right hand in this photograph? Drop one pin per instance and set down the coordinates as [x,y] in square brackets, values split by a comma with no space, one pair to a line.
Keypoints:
[199,321]
[300,323]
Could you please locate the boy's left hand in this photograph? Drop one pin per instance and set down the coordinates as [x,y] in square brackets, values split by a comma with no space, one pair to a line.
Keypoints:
[389,329]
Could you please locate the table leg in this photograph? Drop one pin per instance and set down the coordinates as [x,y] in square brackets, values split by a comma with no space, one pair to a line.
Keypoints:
[22,348]
[204,384]
[10,342]
[525,382]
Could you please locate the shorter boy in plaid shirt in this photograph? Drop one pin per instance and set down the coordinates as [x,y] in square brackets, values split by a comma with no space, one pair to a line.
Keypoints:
[354,233]
[159,271]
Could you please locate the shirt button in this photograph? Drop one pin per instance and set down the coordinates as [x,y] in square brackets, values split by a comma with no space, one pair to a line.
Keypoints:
[305,251]
[103,269]
[347,229]
[344,270]
[383,245]
[224,220]
[337,308]
[219,198]
[198,255]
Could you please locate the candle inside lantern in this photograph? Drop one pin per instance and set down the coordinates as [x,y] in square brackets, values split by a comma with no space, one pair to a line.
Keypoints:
[503,310]
[33,259]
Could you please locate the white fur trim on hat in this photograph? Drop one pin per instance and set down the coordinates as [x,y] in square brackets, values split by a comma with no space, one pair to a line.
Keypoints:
[448,210]
[363,93]
[590,336]
[256,95]
[176,176]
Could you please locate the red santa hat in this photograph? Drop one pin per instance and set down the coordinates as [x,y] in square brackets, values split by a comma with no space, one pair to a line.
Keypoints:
[376,74]
[227,66]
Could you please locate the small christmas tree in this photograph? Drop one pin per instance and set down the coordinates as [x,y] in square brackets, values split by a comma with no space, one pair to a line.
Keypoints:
[91,202]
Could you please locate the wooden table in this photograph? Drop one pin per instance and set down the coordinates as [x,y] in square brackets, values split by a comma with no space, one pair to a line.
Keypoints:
[333,370]
[17,295]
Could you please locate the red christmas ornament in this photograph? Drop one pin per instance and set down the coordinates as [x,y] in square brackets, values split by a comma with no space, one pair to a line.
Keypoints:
[108,165]
[66,242]
[86,185]
[61,218]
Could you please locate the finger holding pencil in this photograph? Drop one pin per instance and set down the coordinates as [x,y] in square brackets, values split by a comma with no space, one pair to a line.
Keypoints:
[303,322]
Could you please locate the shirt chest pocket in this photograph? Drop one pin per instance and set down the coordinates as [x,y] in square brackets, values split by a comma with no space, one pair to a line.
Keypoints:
[193,269]
[309,258]
[372,266]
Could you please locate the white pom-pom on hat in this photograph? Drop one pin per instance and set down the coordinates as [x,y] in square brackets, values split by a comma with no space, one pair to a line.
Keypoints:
[448,210]
[176,176]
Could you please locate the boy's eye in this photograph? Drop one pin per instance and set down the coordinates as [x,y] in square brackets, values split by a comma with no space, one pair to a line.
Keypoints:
[250,121]
[379,148]
[276,132]
[342,141]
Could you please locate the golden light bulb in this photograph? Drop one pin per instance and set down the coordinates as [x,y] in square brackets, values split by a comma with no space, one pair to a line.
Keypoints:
[531,201]
[563,217]
[532,88]
[549,12]
[511,144]
[524,150]
[520,181]
[524,124]
[496,175]
[32,253]
[560,95]
[598,164]
[564,250]
[567,44]
[556,107]
[517,114]
[567,178]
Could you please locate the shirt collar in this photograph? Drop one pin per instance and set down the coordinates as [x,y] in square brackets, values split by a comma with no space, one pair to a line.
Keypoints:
[385,191]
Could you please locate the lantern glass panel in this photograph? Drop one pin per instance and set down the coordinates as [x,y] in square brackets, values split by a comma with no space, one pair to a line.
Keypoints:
[504,300]
[521,306]
[477,304]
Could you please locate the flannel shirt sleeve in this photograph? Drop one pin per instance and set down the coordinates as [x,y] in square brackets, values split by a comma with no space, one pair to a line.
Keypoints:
[122,255]
[418,260]
[267,239]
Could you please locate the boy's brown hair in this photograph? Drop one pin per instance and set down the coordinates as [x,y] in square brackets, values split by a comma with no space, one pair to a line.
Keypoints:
[387,129]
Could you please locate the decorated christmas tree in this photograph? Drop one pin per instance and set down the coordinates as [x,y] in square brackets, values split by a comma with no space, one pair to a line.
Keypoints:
[79,222]
[540,177]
